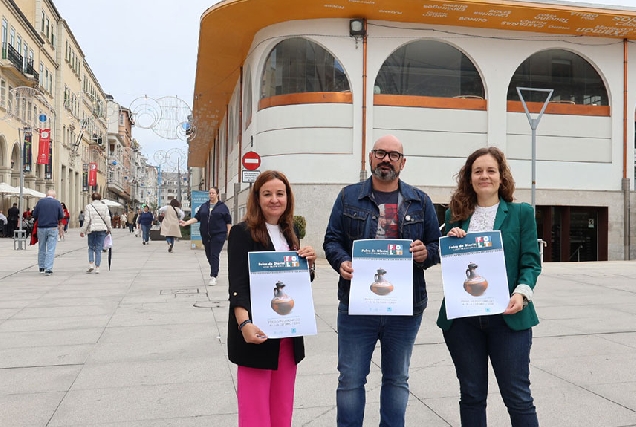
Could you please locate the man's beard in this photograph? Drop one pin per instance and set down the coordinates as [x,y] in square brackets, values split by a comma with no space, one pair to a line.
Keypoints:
[385,175]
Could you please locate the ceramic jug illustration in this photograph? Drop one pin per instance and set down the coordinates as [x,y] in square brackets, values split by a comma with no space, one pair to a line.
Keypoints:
[281,303]
[474,284]
[380,285]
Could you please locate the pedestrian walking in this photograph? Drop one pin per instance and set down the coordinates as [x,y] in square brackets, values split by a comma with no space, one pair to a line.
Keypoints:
[266,372]
[80,218]
[172,214]
[482,201]
[215,222]
[48,214]
[63,225]
[130,220]
[144,220]
[98,224]
[382,207]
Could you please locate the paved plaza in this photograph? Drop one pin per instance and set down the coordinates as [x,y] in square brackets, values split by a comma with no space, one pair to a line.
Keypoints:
[144,345]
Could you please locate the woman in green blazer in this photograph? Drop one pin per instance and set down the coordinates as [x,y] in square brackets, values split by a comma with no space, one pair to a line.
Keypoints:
[482,201]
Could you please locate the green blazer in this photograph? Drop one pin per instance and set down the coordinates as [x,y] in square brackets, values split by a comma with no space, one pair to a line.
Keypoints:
[521,251]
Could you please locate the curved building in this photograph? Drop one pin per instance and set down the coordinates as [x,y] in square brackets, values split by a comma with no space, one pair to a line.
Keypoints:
[311,85]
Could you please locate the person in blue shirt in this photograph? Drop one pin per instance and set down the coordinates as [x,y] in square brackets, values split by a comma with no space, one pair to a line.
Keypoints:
[48,213]
[145,222]
[215,223]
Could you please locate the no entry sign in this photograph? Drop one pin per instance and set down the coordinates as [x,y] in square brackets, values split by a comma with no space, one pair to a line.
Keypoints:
[251,160]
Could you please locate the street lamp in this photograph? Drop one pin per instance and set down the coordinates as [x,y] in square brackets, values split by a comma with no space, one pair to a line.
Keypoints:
[534,123]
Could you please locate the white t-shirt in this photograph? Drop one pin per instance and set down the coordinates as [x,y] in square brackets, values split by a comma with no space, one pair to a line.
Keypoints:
[277,237]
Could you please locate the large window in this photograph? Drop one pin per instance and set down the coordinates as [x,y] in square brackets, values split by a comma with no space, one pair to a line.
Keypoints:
[429,68]
[298,65]
[573,79]
[247,99]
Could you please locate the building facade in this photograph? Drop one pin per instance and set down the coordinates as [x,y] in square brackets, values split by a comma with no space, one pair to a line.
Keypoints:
[47,85]
[310,90]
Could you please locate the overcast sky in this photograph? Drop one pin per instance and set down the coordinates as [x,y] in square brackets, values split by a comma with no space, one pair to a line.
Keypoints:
[149,47]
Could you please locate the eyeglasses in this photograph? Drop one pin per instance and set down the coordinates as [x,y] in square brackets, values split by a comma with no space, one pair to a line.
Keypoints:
[394,156]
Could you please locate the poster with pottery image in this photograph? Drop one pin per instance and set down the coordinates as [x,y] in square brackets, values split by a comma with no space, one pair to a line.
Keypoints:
[282,299]
[474,274]
[382,277]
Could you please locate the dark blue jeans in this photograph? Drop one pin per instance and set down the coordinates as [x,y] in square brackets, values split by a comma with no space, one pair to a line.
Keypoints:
[471,341]
[213,249]
[357,336]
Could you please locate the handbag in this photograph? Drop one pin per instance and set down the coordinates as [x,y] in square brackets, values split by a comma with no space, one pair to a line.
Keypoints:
[108,241]
[160,217]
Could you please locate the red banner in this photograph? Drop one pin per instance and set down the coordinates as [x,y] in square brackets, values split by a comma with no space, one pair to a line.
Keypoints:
[92,174]
[43,149]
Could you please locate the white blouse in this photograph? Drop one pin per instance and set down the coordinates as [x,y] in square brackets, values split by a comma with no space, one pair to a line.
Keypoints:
[277,237]
[483,219]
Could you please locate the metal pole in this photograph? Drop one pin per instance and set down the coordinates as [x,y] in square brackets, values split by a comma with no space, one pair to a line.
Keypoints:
[179,179]
[533,126]
[534,123]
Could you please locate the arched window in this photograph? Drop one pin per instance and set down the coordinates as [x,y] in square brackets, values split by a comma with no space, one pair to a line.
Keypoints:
[298,65]
[247,98]
[429,68]
[573,79]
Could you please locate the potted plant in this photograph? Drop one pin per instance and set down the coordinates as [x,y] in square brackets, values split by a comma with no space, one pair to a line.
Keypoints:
[300,226]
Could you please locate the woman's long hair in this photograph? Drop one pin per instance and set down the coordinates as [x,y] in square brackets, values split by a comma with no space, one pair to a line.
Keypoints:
[464,199]
[255,219]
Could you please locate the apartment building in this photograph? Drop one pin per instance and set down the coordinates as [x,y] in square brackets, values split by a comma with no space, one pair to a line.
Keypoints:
[46,85]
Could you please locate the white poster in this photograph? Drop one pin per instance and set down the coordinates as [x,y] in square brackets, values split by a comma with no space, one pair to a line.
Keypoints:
[282,299]
[382,277]
[474,274]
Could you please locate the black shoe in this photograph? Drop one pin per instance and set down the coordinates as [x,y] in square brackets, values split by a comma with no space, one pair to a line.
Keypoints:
[48,272]
[170,248]
[41,271]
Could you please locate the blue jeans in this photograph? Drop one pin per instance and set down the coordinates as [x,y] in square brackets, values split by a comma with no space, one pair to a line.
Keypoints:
[471,341]
[95,247]
[145,232]
[357,336]
[47,241]
[170,240]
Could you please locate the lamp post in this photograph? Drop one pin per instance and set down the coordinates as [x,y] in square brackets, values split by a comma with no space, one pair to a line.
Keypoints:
[534,123]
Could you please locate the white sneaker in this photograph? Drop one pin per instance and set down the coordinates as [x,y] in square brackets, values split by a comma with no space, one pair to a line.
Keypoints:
[91,267]
[212,281]
[96,270]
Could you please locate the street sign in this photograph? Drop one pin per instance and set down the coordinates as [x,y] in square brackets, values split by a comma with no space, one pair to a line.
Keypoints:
[250,176]
[251,160]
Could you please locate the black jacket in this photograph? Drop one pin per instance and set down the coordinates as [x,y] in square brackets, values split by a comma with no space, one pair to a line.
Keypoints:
[260,356]
[213,224]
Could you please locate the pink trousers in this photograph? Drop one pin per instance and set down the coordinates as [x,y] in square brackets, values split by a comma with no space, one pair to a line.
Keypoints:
[266,397]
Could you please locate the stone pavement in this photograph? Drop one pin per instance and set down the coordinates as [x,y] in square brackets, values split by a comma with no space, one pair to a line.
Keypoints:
[144,345]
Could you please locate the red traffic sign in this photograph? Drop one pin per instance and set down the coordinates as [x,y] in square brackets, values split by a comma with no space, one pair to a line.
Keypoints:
[251,160]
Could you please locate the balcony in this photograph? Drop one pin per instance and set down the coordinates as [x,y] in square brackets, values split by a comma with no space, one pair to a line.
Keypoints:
[14,64]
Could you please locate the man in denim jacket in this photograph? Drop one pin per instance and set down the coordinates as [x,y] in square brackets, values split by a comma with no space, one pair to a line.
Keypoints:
[383,206]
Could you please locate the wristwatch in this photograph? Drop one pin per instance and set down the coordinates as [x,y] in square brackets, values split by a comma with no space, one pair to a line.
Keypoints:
[243,323]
